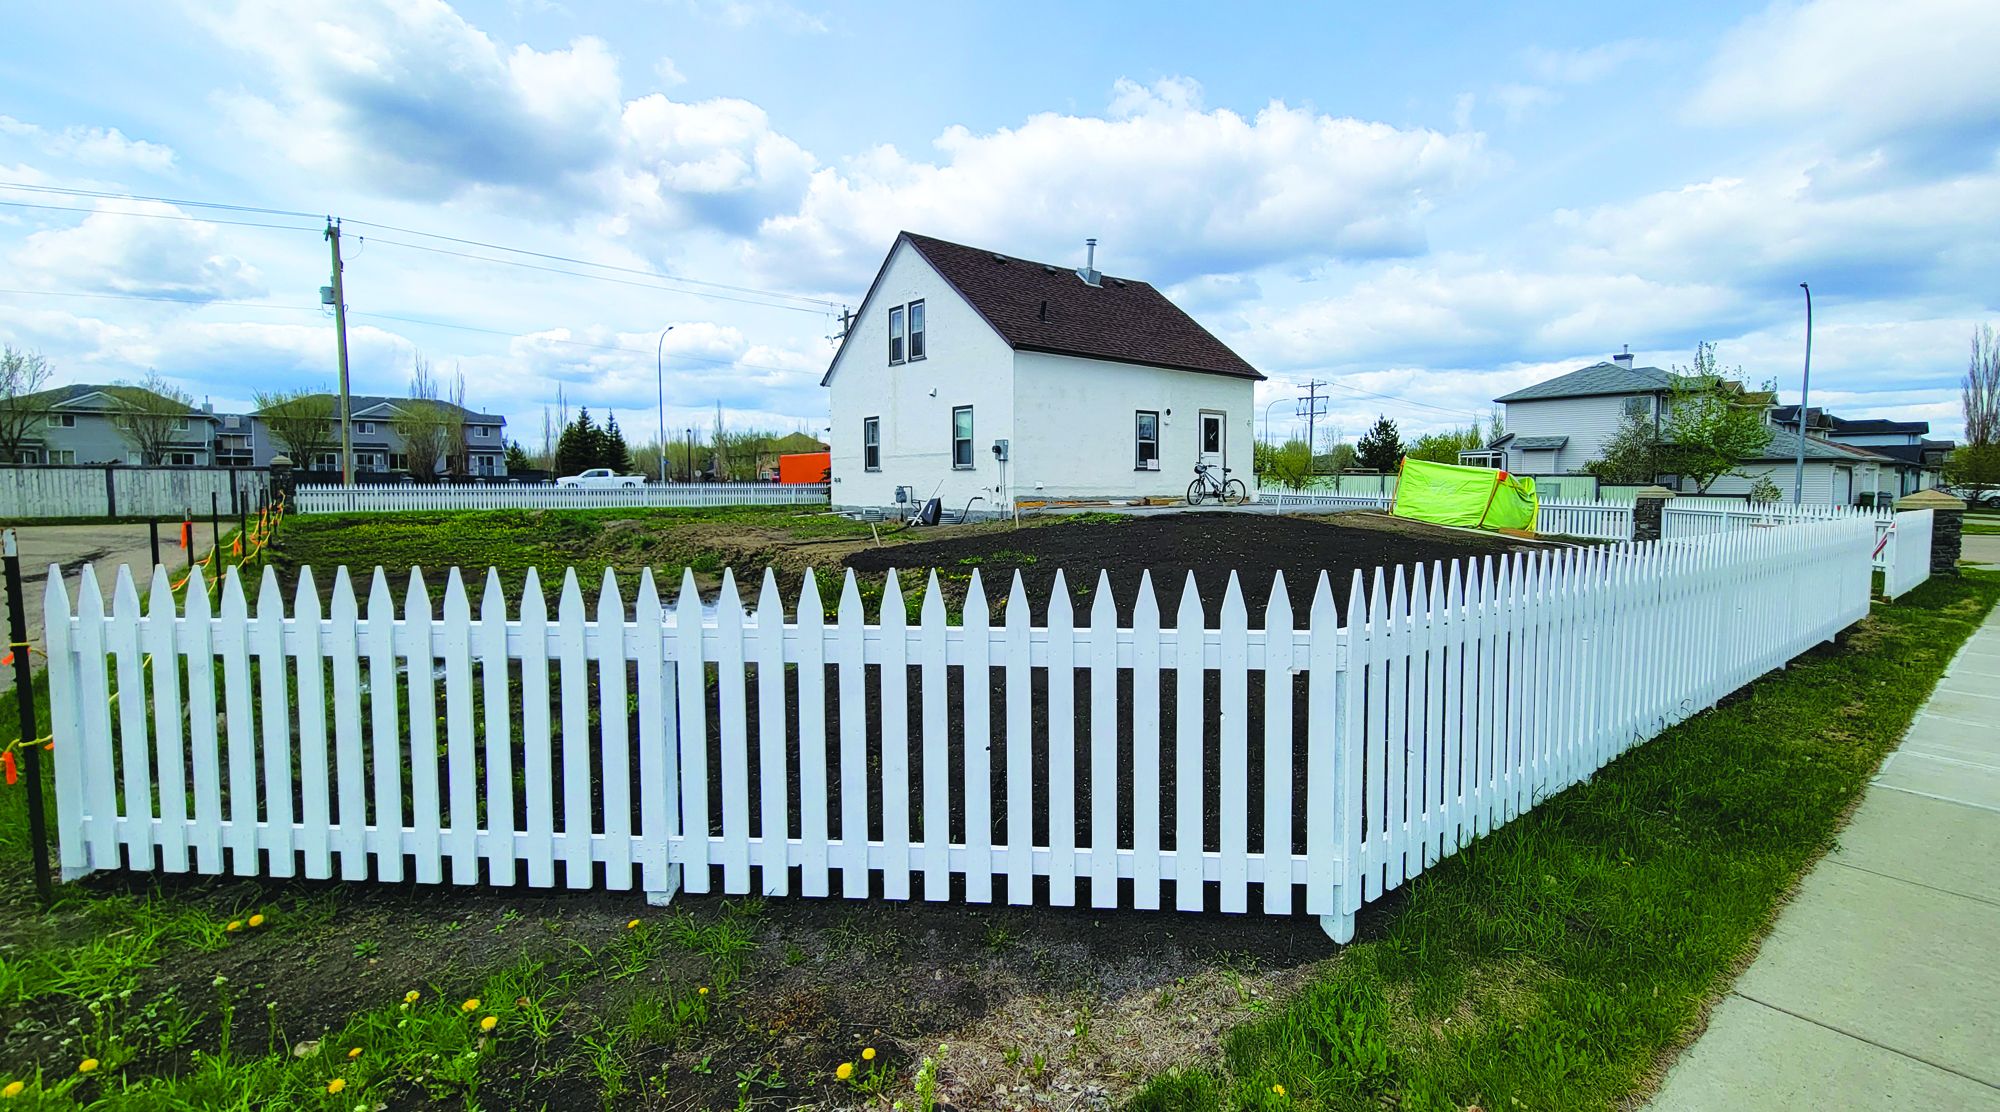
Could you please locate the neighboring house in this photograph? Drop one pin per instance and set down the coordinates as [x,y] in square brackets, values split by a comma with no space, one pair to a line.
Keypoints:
[976,376]
[1558,426]
[81,425]
[378,449]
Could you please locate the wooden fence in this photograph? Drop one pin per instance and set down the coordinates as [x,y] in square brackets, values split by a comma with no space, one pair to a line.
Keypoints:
[1322,752]
[55,492]
[1610,521]
[391,497]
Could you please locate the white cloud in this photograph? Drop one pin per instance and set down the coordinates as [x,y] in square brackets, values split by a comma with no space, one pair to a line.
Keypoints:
[1863,69]
[1590,64]
[107,251]
[1171,189]
[92,146]
[1519,100]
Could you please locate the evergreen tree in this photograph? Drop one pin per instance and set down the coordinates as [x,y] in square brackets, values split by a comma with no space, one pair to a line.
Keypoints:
[612,451]
[1380,448]
[578,447]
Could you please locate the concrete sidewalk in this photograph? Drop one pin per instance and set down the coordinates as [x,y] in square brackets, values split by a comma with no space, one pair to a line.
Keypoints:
[1880,985]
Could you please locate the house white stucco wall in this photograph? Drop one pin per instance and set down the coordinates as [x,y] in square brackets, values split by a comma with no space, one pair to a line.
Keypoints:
[965,363]
[1077,419]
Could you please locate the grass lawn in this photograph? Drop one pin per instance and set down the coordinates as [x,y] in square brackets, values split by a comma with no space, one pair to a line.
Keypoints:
[1552,965]
[1989,527]
[1561,961]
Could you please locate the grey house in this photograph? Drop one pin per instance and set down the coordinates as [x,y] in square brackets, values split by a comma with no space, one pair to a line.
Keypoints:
[379,452]
[82,425]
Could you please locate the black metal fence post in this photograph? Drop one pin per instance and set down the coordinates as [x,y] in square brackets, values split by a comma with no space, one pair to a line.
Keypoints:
[24,698]
[153,531]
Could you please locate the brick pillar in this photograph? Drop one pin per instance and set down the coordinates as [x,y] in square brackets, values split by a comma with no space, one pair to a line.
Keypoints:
[1947,527]
[1649,513]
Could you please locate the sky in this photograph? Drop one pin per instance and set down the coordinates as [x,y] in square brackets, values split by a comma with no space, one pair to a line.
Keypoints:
[1423,206]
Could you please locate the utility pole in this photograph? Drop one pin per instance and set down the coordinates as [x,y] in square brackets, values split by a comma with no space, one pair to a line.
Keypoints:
[1805,388]
[1310,403]
[340,337]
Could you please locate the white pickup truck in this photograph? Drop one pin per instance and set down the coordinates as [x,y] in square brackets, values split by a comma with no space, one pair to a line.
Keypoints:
[601,477]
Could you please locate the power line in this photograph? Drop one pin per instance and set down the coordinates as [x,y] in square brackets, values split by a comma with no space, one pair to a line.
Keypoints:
[575,274]
[159,216]
[1404,400]
[157,297]
[822,302]
[70,192]
[571,343]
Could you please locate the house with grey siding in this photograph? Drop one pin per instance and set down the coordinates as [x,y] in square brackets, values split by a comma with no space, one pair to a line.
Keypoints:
[82,425]
[379,451]
[1560,425]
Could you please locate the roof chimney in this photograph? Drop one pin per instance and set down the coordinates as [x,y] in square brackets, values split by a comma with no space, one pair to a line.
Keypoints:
[1623,358]
[1089,272]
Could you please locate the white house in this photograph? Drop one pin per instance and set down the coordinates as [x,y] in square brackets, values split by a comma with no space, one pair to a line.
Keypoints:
[1558,425]
[981,378]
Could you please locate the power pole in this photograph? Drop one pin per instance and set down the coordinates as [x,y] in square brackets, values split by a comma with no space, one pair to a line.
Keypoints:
[1805,394]
[1311,405]
[340,336]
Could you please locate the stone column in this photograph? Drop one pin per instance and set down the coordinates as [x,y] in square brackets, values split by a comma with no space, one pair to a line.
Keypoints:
[1947,527]
[283,478]
[1649,513]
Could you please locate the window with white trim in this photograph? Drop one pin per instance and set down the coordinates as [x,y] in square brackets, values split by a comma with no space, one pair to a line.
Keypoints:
[1146,441]
[896,336]
[364,428]
[180,459]
[916,330]
[62,455]
[871,443]
[961,437]
[62,420]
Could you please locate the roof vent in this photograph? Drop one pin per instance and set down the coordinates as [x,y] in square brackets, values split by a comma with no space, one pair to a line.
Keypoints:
[999,258]
[1048,269]
[1624,358]
[1089,272]
[1044,314]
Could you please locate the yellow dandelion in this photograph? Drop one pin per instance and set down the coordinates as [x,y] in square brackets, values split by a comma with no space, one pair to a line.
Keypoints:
[13,1089]
[234,926]
[336,1085]
[845,1071]
[257,920]
[471,1005]
[88,1065]
[411,996]
[489,1023]
[1278,1089]
[355,1053]
[868,1054]
[703,990]
[633,925]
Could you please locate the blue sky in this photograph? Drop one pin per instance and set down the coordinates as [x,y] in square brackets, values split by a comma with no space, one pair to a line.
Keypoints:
[1433,203]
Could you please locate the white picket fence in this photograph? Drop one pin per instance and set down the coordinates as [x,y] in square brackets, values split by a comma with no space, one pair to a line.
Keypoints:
[1904,553]
[392,497]
[1340,755]
[1611,521]
[1694,516]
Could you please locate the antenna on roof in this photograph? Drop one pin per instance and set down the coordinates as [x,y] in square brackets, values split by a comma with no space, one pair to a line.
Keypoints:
[1089,272]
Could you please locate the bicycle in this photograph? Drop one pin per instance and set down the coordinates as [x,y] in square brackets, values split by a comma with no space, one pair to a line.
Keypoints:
[1229,492]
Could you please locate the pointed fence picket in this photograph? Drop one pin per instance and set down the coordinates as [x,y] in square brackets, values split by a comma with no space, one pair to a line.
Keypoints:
[1290,765]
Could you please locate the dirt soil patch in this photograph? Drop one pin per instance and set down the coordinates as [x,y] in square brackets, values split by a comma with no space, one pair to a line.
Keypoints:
[1257,547]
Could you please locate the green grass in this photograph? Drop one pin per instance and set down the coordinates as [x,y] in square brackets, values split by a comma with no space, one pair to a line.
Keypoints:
[1987,528]
[1554,963]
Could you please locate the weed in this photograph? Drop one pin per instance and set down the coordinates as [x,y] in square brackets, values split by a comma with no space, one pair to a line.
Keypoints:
[367,948]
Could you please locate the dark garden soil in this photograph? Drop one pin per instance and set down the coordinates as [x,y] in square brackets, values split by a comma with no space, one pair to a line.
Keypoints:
[1255,546]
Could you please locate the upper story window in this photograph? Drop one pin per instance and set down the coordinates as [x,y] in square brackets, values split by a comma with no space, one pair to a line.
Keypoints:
[62,420]
[961,437]
[482,431]
[871,443]
[365,428]
[916,330]
[896,336]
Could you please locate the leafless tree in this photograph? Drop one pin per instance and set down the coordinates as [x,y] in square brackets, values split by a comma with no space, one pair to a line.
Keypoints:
[430,429]
[22,374]
[1980,393]
[152,415]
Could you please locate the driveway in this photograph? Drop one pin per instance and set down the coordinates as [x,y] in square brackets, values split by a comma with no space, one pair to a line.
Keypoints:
[104,547]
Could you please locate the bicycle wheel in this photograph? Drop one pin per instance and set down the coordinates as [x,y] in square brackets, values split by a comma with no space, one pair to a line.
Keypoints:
[1194,493]
[1235,493]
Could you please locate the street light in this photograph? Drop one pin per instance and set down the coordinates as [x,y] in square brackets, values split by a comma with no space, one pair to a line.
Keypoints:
[1805,387]
[660,368]
[1267,420]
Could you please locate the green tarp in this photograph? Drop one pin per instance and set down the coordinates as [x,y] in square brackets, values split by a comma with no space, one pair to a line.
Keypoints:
[1474,497]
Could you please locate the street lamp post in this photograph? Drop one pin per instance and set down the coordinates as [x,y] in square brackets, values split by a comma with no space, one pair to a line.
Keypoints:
[1805,389]
[1267,420]
[660,368]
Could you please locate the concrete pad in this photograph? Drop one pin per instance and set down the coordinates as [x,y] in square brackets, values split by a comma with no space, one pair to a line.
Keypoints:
[1972,683]
[1964,781]
[1949,846]
[1959,704]
[1889,962]
[1753,1056]
[1950,738]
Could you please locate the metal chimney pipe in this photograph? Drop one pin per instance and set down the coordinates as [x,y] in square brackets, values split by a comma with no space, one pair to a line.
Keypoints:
[1090,253]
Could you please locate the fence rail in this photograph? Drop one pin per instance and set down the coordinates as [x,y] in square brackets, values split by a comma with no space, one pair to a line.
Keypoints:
[1346,742]
[392,497]
[31,493]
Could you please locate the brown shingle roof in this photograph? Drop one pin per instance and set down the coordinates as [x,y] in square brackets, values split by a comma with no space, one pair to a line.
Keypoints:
[1044,307]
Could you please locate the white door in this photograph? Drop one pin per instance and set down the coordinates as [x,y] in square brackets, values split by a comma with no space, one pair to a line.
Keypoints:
[1843,486]
[1210,442]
